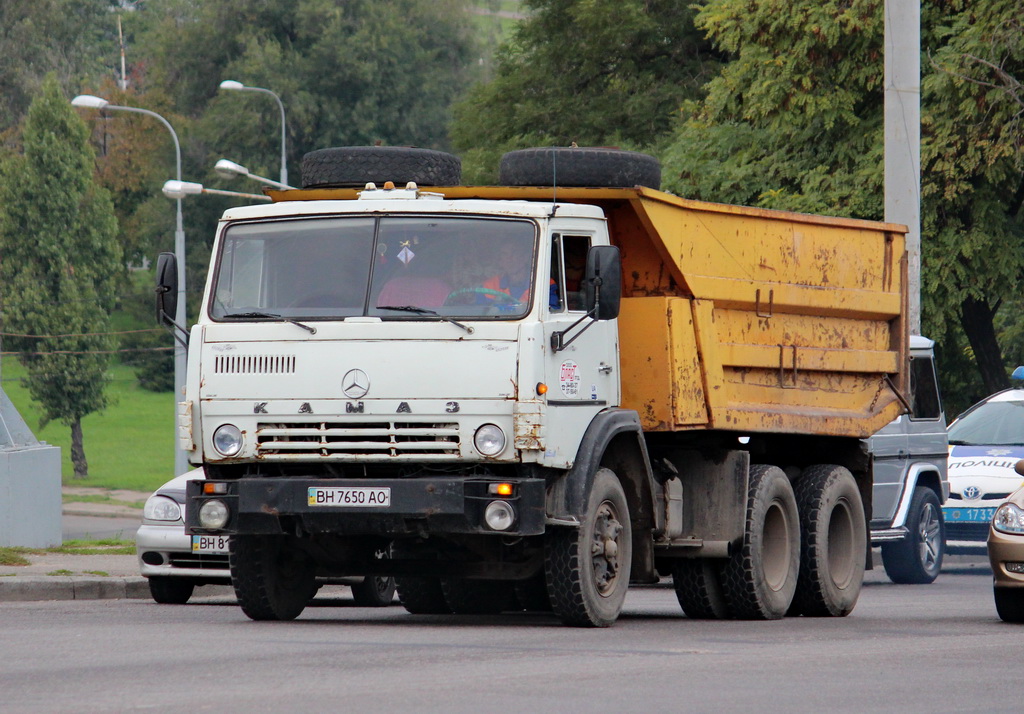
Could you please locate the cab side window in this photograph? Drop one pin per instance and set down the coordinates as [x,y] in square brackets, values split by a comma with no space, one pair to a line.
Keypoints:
[568,263]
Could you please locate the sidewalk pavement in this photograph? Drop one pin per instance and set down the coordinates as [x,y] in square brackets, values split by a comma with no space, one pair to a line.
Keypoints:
[67,576]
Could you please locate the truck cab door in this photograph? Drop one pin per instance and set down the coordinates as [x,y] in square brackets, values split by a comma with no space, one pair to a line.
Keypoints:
[582,378]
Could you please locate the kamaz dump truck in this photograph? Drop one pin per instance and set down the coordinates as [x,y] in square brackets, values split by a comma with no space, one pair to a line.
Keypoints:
[530,395]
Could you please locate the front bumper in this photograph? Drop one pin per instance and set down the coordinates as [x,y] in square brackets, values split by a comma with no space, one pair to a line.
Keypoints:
[417,506]
[172,547]
[1006,555]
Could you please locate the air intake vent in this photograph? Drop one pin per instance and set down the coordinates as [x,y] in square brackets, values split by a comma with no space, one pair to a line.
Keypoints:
[349,441]
[254,364]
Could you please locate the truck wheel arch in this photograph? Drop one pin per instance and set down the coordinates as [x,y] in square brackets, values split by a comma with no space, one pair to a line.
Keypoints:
[614,440]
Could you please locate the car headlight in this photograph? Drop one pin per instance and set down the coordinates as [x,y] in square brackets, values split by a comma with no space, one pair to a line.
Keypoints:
[227,439]
[1009,519]
[161,508]
[489,440]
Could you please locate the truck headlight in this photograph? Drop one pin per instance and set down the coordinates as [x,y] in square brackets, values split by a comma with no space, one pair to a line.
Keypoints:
[1009,519]
[213,514]
[161,508]
[227,440]
[489,440]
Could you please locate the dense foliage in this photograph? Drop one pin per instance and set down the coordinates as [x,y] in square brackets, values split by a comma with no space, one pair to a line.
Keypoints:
[794,121]
[597,73]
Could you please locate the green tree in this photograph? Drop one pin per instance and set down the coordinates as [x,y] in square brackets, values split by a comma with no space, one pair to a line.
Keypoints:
[74,38]
[594,72]
[795,121]
[353,73]
[59,265]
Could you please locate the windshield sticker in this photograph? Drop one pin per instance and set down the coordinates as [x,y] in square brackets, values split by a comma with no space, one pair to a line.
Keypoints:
[569,379]
[405,254]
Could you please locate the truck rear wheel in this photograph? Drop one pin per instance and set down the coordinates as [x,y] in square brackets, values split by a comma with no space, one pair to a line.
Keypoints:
[421,596]
[374,591]
[478,597]
[354,166]
[834,542]
[532,594]
[917,559]
[760,579]
[587,568]
[698,588]
[273,579]
[572,166]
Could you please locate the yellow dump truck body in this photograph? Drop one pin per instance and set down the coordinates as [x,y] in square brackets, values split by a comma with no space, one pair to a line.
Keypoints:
[745,319]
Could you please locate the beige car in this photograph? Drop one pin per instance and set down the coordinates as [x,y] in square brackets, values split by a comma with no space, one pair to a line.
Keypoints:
[1006,554]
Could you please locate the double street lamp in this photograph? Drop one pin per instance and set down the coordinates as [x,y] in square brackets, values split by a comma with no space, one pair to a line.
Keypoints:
[233,85]
[229,169]
[88,101]
[179,189]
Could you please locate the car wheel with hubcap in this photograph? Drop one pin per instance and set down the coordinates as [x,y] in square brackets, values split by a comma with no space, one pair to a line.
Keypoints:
[917,559]
[168,590]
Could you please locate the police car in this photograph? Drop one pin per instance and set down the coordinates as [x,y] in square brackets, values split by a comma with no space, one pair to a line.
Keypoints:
[985,443]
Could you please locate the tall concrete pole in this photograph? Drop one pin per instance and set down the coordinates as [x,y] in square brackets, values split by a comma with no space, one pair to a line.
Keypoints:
[903,135]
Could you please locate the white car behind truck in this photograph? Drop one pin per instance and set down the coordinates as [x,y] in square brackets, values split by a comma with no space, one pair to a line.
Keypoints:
[910,478]
[535,393]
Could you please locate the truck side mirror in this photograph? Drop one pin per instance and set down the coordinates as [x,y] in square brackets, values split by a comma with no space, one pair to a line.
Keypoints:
[166,288]
[602,282]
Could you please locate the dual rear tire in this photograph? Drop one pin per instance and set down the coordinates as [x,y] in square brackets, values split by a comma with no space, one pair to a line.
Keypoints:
[803,552]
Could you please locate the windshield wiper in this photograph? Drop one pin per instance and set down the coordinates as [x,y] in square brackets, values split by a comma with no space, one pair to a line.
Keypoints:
[272,316]
[425,311]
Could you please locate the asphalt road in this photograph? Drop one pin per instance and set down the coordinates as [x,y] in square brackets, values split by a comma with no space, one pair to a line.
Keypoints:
[935,648]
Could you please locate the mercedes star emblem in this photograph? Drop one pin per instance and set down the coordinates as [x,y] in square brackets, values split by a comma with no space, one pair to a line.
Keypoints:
[355,384]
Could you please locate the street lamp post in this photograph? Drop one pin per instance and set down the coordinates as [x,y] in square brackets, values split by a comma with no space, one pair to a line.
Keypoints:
[179,189]
[229,169]
[239,87]
[180,361]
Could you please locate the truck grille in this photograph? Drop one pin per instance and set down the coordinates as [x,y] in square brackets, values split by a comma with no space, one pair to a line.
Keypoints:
[363,441]
[254,364]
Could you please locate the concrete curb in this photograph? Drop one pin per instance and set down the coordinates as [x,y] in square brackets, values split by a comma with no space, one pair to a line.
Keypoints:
[62,587]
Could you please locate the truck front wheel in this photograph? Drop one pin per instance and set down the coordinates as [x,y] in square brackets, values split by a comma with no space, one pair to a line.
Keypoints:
[834,542]
[759,579]
[587,568]
[273,579]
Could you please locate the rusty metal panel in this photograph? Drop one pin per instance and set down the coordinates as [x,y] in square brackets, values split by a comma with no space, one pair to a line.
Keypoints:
[690,405]
[645,361]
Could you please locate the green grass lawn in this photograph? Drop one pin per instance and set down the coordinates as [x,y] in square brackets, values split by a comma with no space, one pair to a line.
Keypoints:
[128,445]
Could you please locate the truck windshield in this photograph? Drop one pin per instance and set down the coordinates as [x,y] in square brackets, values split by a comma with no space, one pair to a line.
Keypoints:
[330,268]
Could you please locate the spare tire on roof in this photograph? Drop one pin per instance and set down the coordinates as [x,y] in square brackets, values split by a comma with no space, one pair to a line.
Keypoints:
[578,166]
[354,166]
